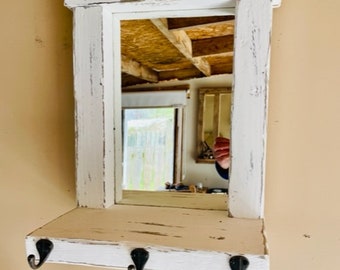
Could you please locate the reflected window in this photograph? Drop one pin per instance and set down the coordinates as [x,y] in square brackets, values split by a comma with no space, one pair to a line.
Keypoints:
[149,148]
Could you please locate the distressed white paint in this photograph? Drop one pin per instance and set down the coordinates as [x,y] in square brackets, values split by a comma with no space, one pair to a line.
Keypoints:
[98,110]
[98,100]
[249,110]
[208,238]
[93,106]
[117,255]
[153,5]
[173,243]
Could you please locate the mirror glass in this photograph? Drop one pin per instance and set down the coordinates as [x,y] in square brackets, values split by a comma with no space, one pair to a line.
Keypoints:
[159,54]
[148,149]
[213,120]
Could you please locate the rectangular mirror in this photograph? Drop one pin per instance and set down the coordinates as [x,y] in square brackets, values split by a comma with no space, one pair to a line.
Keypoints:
[98,89]
[213,120]
[156,55]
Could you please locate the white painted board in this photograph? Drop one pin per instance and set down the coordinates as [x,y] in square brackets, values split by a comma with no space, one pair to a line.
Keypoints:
[175,238]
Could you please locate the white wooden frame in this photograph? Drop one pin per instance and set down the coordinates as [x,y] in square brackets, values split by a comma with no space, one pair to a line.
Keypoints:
[98,94]
[165,5]
[105,237]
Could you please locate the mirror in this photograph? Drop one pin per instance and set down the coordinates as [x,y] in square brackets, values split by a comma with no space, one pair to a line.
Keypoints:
[175,49]
[156,55]
[213,120]
[98,108]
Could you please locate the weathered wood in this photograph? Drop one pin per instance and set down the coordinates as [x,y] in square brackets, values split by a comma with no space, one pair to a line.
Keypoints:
[138,70]
[151,5]
[175,238]
[171,51]
[143,42]
[211,30]
[199,63]
[249,114]
[180,74]
[183,87]
[182,38]
[252,56]
[164,50]
[92,81]
[222,63]
[187,23]
[213,45]
[154,4]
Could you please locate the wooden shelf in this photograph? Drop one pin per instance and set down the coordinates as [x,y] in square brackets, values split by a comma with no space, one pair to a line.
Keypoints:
[176,238]
[205,160]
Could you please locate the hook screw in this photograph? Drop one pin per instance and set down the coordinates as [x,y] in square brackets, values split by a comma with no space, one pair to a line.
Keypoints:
[238,263]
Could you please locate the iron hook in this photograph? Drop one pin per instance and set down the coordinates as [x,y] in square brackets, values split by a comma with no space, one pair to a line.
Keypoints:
[139,256]
[44,247]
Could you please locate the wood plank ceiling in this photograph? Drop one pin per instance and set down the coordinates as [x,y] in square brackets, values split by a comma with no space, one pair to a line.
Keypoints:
[176,49]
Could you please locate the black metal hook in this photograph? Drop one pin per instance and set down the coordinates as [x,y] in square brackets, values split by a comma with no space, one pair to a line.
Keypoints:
[44,247]
[238,263]
[139,256]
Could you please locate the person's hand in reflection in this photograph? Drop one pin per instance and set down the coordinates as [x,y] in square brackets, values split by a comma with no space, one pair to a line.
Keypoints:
[221,151]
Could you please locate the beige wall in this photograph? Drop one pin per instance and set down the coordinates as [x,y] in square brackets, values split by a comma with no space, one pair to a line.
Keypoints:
[303,177]
[303,162]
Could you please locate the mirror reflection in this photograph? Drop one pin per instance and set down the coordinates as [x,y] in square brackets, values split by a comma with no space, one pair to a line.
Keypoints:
[164,63]
[213,120]
[149,143]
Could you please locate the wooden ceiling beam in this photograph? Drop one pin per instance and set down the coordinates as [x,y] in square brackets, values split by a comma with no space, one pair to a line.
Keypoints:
[183,87]
[180,74]
[185,23]
[136,69]
[184,40]
[202,65]
[214,45]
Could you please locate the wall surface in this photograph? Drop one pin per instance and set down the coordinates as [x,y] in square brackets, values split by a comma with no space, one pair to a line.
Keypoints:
[303,178]
[37,145]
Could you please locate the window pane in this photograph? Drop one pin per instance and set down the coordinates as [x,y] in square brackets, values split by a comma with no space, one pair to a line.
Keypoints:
[148,149]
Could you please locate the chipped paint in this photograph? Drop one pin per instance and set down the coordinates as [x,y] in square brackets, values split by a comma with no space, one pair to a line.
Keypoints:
[95,132]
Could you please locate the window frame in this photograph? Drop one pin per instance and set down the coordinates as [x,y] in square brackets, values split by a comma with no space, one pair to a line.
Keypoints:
[97,57]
